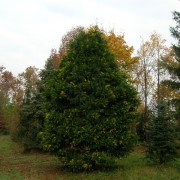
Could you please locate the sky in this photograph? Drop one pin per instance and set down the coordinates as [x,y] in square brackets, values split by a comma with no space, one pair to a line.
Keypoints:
[30,29]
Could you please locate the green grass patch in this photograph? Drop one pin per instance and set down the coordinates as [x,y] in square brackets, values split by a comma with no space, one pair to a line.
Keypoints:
[6,145]
[17,165]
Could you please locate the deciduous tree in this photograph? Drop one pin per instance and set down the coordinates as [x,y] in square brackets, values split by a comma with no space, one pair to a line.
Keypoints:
[123,52]
[148,73]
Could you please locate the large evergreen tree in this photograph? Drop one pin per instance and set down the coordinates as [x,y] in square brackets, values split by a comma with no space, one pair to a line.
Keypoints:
[91,105]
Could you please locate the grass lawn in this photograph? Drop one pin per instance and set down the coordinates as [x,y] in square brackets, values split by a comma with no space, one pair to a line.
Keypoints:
[15,165]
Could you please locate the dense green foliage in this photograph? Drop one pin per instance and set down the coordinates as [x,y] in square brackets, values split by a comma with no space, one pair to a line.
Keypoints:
[162,146]
[173,67]
[91,106]
[33,109]
[31,123]
[175,71]
[31,112]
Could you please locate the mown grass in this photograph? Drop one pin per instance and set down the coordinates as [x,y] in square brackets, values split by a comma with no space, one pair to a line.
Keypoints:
[41,166]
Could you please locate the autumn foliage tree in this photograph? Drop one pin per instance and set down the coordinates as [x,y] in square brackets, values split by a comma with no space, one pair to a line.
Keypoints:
[91,106]
[123,52]
[148,77]
[117,44]
[7,108]
[56,56]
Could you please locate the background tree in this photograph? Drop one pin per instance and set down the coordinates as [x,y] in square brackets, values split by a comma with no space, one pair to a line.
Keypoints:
[91,107]
[123,52]
[8,110]
[30,112]
[2,105]
[148,73]
[117,44]
[172,64]
[3,120]
[56,56]
[29,79]
[162,146]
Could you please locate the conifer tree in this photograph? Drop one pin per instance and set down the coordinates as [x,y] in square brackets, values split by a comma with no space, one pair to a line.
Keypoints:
[162,146]
[91,106]
[173,66]
[31,114]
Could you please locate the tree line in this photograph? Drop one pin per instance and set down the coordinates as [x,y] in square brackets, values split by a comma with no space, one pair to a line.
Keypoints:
[94,99]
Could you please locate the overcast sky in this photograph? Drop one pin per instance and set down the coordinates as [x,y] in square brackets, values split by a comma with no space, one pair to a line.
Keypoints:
[29,29]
